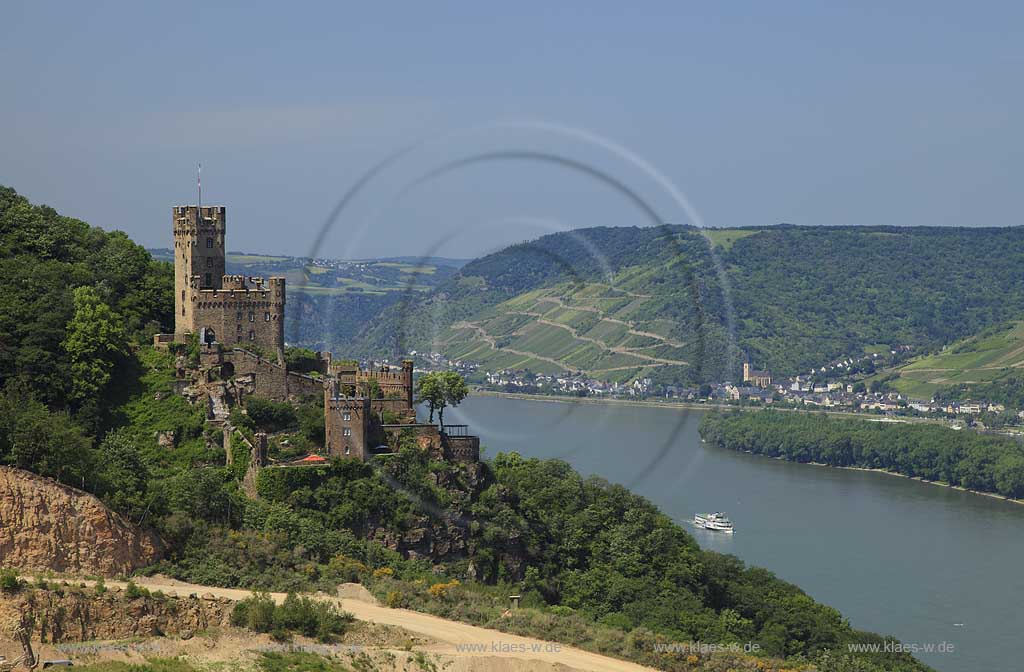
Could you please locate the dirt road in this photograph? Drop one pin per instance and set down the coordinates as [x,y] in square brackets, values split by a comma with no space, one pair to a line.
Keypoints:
[455,639]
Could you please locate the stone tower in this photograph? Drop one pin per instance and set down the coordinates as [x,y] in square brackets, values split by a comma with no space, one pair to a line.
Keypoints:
[198,253]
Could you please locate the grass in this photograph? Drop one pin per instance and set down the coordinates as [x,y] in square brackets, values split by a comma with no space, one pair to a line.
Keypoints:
[725,238]
[154,665]
[254,258]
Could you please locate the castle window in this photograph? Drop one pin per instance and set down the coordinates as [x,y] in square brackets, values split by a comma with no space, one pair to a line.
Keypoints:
[209,261]
[266,317]
[239,330]
[209,243]
[252,335]
[346,431]
[183,295]
[252,316]
[209,279]
[346,416]
[238,316]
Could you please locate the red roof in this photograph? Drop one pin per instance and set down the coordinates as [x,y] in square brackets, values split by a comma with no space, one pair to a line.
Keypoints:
[311,459]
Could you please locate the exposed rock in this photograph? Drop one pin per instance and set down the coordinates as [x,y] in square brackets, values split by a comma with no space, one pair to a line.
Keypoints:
[45,525]
[76,615]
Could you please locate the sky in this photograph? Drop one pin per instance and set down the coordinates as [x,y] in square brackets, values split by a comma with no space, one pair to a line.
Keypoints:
[457,128]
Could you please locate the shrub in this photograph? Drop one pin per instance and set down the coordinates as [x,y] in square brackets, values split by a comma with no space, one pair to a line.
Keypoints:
[133,591]
[345,569]
[9,582]
[382,572]
[258,612]
[271,416]
[312,618]
[440,590]
[240,419]
[304,615]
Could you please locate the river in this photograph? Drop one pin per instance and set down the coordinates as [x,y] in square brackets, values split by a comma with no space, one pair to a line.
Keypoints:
[925,564]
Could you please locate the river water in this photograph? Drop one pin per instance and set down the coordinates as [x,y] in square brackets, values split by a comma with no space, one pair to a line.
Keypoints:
[927,565]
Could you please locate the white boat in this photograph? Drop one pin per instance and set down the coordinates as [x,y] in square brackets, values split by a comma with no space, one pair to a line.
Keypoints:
[718,522]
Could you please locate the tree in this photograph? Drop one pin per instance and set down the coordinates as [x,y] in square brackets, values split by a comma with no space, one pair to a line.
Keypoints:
[440,389]
[94,343]
[430,391]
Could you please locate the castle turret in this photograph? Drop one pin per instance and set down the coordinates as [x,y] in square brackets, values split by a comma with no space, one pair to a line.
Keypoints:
[407,380]
[198,258]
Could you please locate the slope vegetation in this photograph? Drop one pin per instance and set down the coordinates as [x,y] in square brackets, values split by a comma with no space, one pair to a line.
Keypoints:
[624,302]
[977,365]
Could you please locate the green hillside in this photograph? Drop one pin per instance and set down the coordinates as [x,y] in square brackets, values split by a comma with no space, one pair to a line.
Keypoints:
[615,303]
[974,365]
[624,302]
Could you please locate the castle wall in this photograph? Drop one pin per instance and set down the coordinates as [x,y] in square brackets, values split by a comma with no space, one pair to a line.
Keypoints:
[461,448]
[245,311]
[395,382]
[270,379]
[397,406]
[427,436]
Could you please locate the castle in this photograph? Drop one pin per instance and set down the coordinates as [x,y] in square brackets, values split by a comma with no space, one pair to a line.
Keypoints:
[240,324]
[230,309]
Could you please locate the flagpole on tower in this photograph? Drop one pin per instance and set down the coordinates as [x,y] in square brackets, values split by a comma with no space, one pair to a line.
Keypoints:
[199,185]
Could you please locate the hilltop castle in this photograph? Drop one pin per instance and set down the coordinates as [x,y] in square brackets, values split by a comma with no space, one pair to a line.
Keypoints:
[240,324]
[230,309]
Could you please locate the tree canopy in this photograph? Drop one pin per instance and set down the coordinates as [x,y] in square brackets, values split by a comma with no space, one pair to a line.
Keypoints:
[441,389]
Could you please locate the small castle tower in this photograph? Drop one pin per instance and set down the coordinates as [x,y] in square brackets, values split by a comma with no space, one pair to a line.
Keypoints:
[198,253]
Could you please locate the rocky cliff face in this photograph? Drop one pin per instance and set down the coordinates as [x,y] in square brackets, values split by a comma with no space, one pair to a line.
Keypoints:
[48,526]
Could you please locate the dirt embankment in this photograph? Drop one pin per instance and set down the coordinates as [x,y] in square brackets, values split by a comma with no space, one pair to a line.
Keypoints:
[47,526]
[71,614]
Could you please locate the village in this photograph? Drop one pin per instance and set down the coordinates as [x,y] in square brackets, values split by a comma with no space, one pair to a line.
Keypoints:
[838,386]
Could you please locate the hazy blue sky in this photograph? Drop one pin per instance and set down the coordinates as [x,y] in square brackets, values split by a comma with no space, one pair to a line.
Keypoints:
[860,113]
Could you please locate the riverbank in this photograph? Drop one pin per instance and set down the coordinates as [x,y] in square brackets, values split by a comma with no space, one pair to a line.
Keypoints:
[990,464]
[693,405]
[942,484]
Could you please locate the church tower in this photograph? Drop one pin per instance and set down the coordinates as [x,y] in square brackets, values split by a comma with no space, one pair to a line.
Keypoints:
[198,259]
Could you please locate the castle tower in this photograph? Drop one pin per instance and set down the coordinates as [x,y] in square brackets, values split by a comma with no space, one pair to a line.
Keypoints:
[198,258]
[407,381]
[746,371]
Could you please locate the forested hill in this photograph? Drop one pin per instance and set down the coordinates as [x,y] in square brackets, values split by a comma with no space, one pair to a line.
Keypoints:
[801,296]
[74,297]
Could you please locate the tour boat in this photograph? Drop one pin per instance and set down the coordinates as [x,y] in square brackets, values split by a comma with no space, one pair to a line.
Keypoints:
[718,522]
